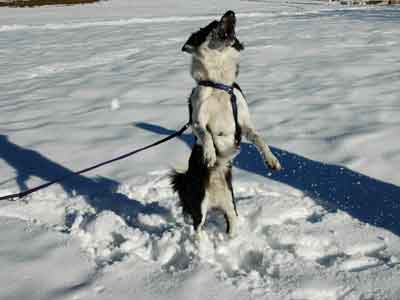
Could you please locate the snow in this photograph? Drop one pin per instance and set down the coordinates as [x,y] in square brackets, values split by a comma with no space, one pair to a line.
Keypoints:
[83,84]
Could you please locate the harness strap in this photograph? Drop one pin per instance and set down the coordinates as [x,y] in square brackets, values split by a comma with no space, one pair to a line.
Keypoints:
[230,90]
[190,106]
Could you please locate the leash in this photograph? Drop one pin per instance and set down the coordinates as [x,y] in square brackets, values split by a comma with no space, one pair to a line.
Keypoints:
[45,185]
[227,88]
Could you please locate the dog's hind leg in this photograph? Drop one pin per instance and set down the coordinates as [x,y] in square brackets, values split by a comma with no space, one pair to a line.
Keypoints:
[199,220]
[230,218]
[230,212]
[228,225]
[226,200]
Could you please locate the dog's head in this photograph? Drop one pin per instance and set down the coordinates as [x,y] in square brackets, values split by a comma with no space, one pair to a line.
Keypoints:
[217,35]
[215,48]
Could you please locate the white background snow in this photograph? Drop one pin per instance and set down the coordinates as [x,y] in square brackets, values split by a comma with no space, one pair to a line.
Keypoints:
[82,84]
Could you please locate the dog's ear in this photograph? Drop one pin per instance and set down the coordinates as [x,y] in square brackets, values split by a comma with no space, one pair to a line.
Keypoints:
[198,38]
[188,48]
[238,45]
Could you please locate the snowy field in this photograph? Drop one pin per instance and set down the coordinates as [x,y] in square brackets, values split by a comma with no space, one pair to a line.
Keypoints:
[82,84]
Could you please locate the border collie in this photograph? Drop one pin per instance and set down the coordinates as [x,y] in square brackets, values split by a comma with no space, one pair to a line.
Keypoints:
[219,117]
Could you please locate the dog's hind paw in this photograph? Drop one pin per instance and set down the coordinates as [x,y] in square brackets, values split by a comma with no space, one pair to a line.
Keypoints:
[199,235]
[231,234]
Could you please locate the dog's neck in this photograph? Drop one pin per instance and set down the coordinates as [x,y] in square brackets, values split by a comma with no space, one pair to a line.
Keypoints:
[215,65]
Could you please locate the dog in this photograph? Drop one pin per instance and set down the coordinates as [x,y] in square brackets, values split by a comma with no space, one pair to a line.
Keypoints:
[219,117]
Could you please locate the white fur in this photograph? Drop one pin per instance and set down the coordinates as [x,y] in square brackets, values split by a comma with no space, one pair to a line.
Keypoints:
[214,125]
[213,122]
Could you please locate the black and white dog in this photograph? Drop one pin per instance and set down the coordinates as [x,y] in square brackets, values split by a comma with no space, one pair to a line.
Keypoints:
[219,117]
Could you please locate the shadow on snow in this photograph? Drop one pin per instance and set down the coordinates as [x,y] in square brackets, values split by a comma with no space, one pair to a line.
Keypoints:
[100,192]
[335,187]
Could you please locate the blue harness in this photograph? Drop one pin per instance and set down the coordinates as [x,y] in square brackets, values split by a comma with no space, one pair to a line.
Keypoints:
[230,90]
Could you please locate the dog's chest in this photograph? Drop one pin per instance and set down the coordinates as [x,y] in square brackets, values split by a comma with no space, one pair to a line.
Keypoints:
[221,120]
[221,124]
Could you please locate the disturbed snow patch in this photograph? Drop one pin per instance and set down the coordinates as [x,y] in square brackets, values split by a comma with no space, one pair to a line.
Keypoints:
[284,237]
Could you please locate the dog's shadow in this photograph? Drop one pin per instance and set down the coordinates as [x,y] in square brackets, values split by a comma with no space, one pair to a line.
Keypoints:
[100,192]
[335,187]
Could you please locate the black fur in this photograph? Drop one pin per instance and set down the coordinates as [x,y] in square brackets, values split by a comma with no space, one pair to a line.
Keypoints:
[237,86]
[198,38]
[238,45]
[228,225]
[191,186]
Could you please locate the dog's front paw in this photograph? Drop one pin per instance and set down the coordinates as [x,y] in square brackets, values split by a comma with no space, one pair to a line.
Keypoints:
[210,157]
[274,163]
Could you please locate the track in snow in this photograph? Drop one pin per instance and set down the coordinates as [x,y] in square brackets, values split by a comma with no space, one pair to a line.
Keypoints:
[283,235]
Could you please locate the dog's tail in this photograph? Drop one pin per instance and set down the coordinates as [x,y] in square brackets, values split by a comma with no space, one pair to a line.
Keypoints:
[191,185]
[179,185]
[178,181]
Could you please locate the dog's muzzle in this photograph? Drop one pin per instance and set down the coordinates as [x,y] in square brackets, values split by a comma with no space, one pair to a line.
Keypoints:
[227,26]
